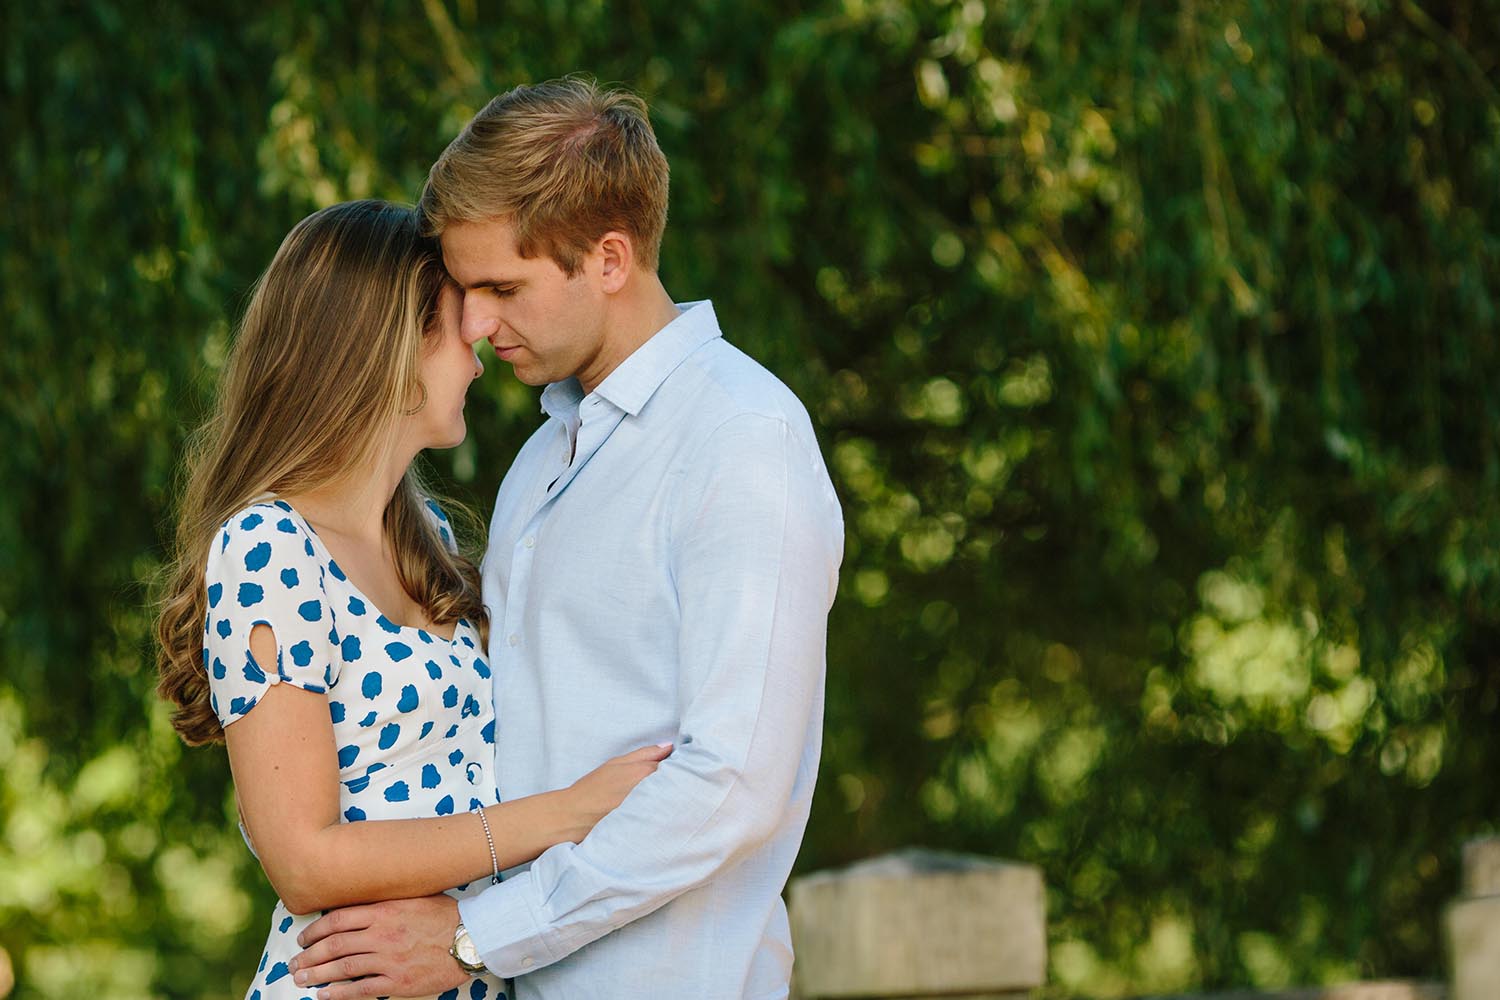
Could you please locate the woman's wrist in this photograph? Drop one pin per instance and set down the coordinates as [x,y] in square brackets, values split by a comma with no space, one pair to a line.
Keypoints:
[544,820]
[566,817]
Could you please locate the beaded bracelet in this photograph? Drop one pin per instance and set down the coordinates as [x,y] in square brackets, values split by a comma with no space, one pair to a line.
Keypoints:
[494,860]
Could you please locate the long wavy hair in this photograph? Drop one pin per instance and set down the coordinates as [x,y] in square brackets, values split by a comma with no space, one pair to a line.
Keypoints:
[324,362]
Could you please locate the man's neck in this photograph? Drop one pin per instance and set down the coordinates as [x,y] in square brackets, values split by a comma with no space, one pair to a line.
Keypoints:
[637,315]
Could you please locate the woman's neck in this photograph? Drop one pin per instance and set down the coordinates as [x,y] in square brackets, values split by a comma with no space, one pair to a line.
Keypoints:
[355,505]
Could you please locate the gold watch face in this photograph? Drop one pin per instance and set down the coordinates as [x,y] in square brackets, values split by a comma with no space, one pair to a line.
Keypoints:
[464,949]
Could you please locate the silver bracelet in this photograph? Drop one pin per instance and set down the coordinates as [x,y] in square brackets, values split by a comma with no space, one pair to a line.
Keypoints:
[494,860]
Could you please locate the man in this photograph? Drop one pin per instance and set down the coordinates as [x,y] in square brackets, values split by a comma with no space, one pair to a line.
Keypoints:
[662,558]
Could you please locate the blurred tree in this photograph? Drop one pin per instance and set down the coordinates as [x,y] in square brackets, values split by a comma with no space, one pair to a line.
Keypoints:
[1152,346]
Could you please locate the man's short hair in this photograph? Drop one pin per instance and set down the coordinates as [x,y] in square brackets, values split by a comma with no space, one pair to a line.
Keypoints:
[565,162]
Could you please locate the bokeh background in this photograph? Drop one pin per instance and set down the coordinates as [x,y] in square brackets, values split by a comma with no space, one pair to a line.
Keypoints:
[1152,346]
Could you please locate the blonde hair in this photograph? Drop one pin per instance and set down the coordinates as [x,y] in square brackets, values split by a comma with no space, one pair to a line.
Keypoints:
[325,359]
[565,162]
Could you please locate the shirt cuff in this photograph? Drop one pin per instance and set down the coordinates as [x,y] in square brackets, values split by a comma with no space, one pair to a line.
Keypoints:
[506,928]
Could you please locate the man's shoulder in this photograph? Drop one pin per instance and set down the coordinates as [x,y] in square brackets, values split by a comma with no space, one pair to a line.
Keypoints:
[722,382]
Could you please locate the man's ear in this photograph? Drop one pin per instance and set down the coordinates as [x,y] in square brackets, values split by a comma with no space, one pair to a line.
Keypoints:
[617,255]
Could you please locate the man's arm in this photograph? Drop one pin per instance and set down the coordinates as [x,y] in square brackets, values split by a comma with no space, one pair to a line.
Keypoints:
[756,539]
[756,542]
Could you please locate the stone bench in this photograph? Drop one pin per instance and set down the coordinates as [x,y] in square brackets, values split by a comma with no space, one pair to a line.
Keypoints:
[1473,925]
[920,924]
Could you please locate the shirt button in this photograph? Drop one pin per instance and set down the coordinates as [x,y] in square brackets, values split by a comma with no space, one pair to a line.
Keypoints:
[514,639]
[474,771]
[526,962]
[530,542]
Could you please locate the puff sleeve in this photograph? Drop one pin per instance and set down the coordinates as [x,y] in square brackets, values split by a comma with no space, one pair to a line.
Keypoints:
[439,522]
[262,569]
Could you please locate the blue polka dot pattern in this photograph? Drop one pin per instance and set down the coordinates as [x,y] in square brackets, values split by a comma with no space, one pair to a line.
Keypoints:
[253,673]
[258,556]
[408,727]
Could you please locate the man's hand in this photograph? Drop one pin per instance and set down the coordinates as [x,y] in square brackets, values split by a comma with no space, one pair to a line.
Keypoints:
[398,948]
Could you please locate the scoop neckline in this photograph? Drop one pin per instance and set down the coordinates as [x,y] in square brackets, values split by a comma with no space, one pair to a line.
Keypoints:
[348,580]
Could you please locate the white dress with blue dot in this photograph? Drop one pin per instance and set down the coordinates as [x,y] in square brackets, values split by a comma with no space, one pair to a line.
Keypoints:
[413,715]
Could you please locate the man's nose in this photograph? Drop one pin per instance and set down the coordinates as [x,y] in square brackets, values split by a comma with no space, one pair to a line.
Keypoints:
[477,322]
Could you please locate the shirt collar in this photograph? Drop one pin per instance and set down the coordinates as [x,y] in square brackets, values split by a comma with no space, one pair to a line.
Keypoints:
[561,399]
[631,384]
[636,378]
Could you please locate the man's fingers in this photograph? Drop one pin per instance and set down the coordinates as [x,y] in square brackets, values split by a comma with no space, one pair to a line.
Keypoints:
[350,918]
[330,949]
[374,986]
[338,956]
[336,971]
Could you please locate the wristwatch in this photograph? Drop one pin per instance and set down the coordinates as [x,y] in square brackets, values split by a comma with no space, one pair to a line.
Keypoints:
[465,953]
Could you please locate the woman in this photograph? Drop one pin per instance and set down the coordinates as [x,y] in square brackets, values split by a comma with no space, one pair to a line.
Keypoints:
[320,619]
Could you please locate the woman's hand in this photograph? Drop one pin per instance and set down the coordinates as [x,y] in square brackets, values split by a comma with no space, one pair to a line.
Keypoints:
[606,786]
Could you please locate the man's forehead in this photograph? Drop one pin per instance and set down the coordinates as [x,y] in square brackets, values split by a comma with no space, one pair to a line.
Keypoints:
[474,252]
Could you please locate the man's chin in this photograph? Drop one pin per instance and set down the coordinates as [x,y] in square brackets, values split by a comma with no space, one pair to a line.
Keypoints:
[532,377]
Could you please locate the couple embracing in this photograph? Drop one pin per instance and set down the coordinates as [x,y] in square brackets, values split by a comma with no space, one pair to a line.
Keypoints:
[586,765]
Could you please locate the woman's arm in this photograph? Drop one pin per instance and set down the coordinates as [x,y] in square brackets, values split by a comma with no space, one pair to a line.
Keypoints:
[284,760]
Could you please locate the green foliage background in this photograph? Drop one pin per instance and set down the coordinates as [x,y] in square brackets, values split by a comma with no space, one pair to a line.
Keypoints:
[1154,350]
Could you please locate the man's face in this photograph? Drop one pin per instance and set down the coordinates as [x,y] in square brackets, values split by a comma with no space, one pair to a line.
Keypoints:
[546,325]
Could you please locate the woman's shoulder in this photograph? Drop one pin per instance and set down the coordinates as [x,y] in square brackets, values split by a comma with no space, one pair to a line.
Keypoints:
[438,519]
[262,534]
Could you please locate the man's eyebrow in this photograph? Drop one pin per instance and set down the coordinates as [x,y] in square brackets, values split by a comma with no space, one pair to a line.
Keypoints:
[488,283]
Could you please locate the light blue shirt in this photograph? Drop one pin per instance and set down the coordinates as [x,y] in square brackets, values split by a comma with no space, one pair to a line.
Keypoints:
[662,559]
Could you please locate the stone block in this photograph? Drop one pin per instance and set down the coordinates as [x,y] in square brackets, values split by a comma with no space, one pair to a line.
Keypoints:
[1474,948]
[919,924]
[1482,867]
[1386,989]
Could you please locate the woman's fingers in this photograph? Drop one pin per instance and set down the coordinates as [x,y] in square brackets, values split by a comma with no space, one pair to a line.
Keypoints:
[655,752]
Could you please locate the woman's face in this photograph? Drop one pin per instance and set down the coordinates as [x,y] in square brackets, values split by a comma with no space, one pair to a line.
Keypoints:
[448,366]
